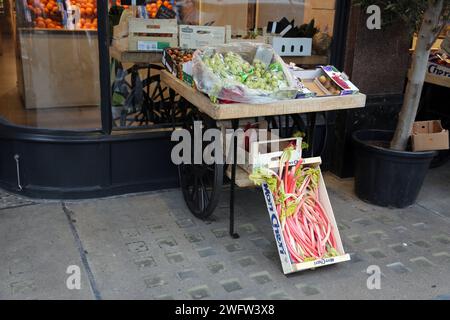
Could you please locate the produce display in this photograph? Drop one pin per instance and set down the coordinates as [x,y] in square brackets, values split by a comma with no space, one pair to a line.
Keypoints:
[179,62]
[244,72]
[153,9]
[307,230]
[180,55]
[256,75]
[70,14]
[154,6]
[329,85]
[88,13]
[45,14]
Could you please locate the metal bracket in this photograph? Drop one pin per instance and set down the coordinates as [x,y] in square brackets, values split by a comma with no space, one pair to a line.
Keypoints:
[19,185]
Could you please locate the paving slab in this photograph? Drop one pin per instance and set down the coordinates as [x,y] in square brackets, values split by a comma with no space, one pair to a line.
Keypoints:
[37,246]
[434,196]
[149,246]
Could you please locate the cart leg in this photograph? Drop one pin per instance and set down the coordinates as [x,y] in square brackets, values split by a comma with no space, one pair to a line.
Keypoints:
[173,107]
[148,113]
[234,235]
[311,131]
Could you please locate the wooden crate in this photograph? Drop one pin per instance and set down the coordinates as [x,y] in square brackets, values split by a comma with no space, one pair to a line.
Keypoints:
[264,146]
[193,37]
[135,34]
[286,262]
[243,110]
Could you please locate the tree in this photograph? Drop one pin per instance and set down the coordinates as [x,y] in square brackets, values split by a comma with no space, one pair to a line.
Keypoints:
[432,16]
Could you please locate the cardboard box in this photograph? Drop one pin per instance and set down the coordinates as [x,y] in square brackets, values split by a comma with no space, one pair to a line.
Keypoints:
[429,136]
[194,37]
[310,80]
[136,34]
[291,46]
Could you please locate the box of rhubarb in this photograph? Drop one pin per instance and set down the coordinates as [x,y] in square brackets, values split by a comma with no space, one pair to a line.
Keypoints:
[301,215]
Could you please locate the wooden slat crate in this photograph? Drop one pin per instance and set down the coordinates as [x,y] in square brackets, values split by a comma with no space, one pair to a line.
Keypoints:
[193,37]
[286,262]
[135,34]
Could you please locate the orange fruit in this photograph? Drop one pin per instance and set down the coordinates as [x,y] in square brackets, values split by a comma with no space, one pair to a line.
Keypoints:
[47,21]
[40,24]
[82,12]
[166,3]
[49,6]
[51,26]
[87,25]
[38,12]
[55,10]
[89,11]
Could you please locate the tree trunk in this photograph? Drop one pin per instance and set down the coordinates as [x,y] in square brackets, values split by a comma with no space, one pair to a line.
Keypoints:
[413,92]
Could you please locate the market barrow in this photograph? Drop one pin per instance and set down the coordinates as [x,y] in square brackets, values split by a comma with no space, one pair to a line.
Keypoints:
[201,184]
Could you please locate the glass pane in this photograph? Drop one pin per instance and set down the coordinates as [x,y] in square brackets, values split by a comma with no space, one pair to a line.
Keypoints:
[50,65]
[142,29]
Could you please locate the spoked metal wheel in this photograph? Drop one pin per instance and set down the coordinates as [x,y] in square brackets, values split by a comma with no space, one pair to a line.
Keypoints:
[201,184]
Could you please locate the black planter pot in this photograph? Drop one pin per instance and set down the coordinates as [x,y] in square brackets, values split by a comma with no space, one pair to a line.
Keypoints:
[386,177]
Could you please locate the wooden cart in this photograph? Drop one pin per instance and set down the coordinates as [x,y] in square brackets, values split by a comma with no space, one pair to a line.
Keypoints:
[201,184]
[154,112]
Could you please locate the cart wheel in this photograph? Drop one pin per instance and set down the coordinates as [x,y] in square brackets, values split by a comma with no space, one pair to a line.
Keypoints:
[201,184]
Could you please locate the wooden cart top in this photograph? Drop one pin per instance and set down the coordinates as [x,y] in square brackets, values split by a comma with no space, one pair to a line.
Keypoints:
[135,56]
[125,56]
[243,110]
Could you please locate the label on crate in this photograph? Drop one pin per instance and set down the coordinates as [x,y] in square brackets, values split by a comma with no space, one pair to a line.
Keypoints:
[276,226]
[148,45]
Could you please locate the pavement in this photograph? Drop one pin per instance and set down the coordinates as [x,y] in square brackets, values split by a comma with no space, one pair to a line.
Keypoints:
[149,246]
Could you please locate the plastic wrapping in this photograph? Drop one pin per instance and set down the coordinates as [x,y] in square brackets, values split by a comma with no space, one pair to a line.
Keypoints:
[242,72]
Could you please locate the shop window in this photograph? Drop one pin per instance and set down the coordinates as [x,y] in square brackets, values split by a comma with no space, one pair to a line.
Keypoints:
[50,65]
[140,34]
[50,61]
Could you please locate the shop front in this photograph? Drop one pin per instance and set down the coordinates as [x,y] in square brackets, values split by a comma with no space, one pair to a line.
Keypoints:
[83,110]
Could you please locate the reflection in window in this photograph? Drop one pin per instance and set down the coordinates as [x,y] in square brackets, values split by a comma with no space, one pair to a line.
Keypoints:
[51,63]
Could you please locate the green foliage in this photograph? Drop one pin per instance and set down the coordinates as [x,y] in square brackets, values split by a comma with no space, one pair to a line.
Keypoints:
[264,175]
[407,11]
